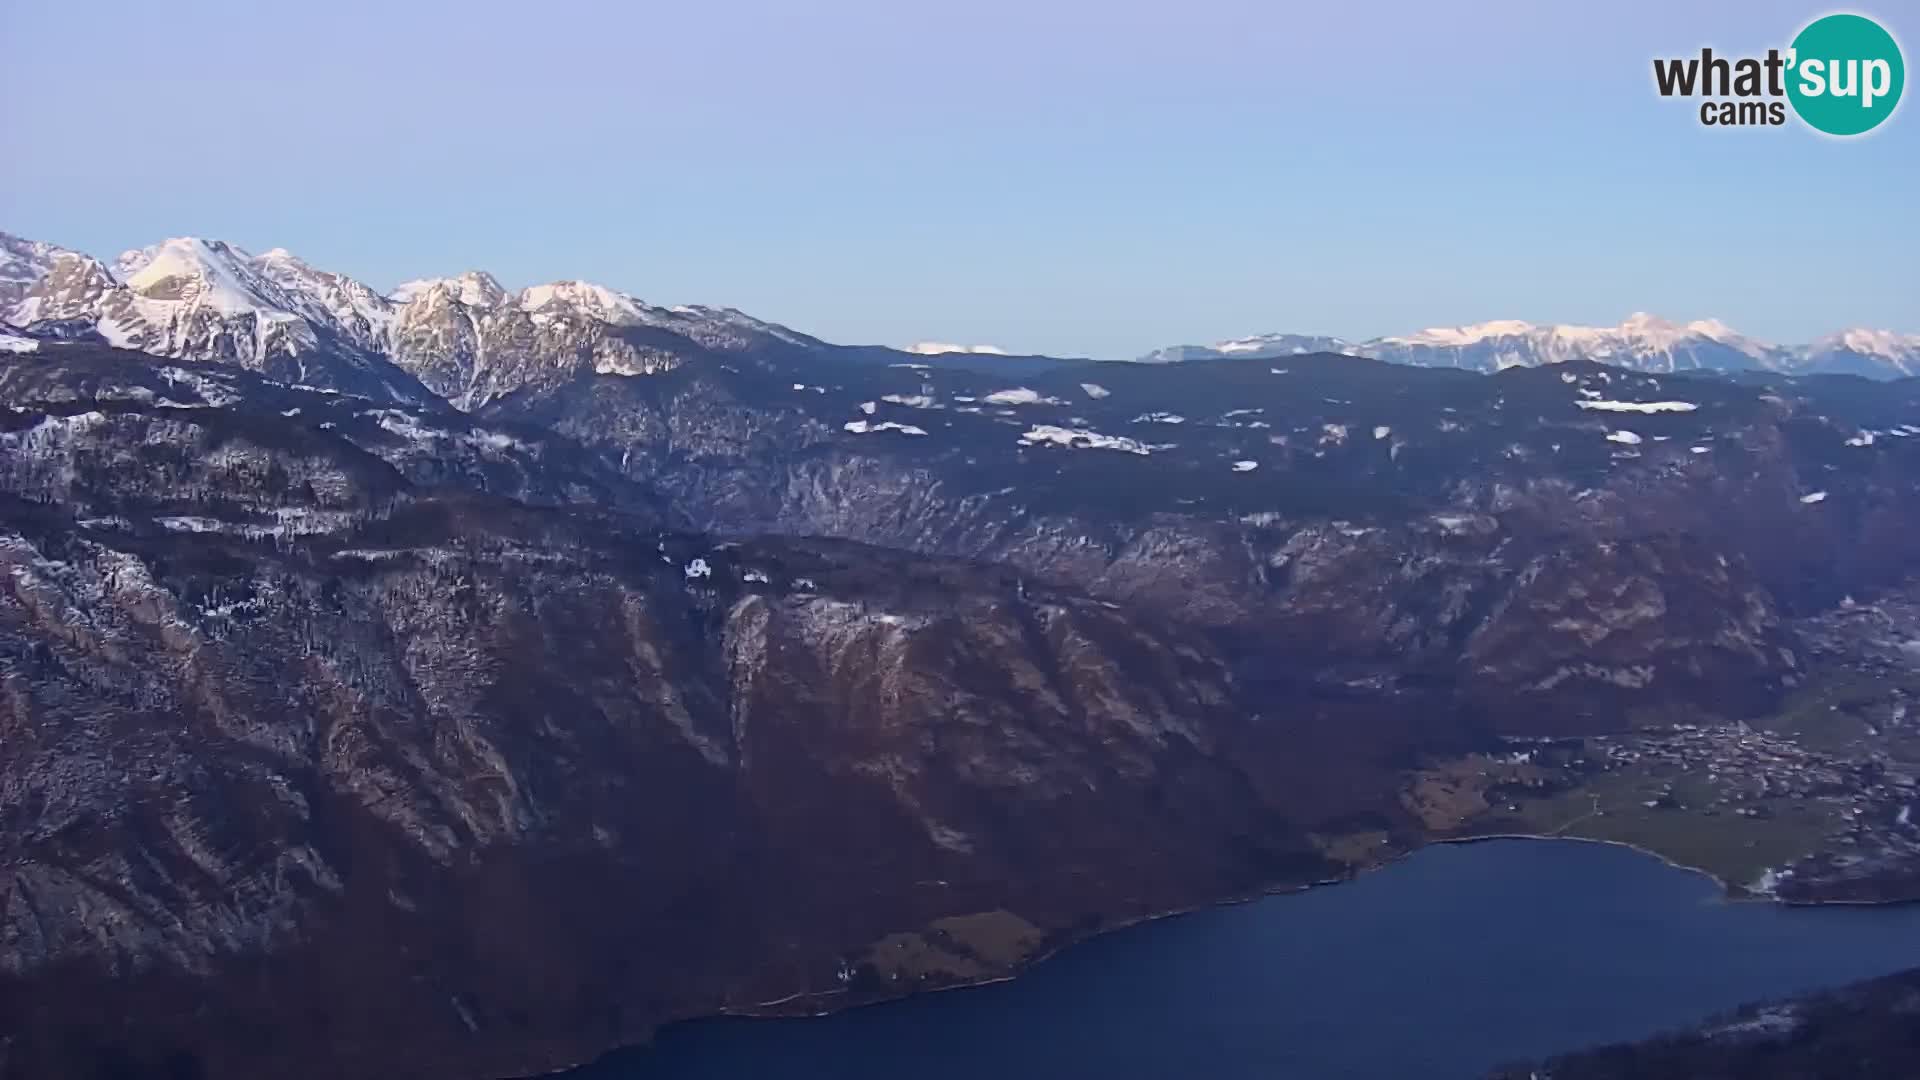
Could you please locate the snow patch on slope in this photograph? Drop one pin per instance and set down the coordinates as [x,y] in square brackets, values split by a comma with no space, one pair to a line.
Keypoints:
[1639,406]
[1082,439]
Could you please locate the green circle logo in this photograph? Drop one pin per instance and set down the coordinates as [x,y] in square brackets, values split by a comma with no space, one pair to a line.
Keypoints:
[1845,74]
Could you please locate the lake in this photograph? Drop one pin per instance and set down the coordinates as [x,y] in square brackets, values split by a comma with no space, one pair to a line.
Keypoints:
[1444,965]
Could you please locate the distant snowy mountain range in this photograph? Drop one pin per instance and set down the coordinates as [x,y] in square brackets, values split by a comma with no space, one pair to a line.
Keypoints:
[940,348]
[1642,342]
[470,341]
[463,338]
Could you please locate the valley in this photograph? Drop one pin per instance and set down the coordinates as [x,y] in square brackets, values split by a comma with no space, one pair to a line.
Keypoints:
[472,702]
[1810,803]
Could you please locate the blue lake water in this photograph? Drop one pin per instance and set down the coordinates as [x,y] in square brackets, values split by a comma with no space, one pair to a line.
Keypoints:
[1444,965]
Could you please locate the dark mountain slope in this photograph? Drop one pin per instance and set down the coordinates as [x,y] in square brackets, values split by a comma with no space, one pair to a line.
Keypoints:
[345,738]
[1544,537]
[324,765]
[1868,1030]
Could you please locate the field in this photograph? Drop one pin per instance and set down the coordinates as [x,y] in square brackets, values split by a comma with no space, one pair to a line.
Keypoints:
[1829,773]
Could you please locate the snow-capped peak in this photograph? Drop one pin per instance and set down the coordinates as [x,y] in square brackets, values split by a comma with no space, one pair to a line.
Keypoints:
[353,310]
[935,348]
[1641,340]
[181,251]
[181,297]
[475,288]
[1715,330]
[23,260]
[1873,342]
[408,291]
[1456,336]
[1293,343]
[204,274]
[1653,327]
[23,263]
[72,287]
[464,337]
[582,298]
[1640,328]
[1256,346]
[132,261]
[283,265]
[1864,352]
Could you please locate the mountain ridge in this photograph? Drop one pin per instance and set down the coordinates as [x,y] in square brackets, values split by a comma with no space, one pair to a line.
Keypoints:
[411,731]
[470,340]
[466,338]
[1641,342]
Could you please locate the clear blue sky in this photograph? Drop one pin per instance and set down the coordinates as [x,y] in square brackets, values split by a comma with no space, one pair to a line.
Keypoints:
[1073,176]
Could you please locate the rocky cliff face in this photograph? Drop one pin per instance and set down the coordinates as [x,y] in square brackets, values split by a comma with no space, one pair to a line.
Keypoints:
[22,263]
[353,737]
[472,343]
[208,300]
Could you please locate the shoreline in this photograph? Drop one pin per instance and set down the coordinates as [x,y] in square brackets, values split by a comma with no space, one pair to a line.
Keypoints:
[767,1010]
[751,1012]
[1731,894]
[1728,894]
[821,1002]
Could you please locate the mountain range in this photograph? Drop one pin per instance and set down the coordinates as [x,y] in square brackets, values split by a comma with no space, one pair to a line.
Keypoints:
[455,681]
[468,340]
[1642,342]
[465,338]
